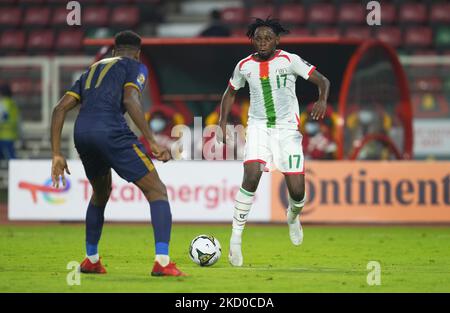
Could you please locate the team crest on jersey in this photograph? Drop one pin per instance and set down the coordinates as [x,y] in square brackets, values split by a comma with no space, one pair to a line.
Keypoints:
[141,79]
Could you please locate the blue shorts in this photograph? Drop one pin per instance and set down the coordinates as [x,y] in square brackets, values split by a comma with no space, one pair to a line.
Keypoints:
[101,150]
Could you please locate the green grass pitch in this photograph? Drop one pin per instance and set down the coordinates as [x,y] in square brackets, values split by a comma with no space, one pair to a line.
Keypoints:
[331,259]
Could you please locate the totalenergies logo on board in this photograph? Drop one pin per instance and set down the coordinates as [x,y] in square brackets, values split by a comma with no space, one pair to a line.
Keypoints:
[49,194]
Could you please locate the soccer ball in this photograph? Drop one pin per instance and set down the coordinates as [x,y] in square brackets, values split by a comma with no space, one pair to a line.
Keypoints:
[205,250]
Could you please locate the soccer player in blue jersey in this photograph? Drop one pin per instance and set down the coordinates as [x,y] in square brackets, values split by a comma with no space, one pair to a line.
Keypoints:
[108,89]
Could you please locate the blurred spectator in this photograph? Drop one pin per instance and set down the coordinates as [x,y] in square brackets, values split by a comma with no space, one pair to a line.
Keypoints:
[318,142]
[9,123]
[368,121]
[318,136]
[216,28]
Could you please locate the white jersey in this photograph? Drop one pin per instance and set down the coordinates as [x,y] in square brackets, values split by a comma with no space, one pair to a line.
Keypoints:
[273,101]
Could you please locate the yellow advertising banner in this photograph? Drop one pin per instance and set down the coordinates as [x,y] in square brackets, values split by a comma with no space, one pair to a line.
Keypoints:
[370,192]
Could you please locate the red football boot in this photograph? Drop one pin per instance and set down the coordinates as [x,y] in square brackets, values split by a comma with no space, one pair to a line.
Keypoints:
[169,270]
[92,268]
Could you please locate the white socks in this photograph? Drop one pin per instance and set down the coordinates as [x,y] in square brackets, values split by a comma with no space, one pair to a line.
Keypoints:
[162,259]
[295,207]
[93,258]
[243,203]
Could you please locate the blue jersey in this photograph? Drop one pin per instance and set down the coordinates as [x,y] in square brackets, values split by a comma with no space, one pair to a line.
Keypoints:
[102,137]
[100,91]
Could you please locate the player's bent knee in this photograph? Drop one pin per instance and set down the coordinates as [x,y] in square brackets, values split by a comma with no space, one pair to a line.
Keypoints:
[250,184]
[297,195]
[156,192]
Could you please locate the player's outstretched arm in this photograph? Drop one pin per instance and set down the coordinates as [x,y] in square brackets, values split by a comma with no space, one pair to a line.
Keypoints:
[225,107]
[323,84]
[133,106]
[59,164]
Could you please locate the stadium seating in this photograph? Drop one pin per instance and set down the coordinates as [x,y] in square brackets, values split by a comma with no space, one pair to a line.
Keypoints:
[37,16]
[357,32]
[69,40]
[440,13]
[10,17]
[262,12]
[238,32]
[322,13]
[299,32]
[125,16]
[233,15]
[390,35]
[28,2]
[40,40]
[292,14]
[59,17]
[388,13]
[411,26]
[418,36]
[95,16]
[413,13]
[353,13]
[12,40]
[23,85]
[327,32]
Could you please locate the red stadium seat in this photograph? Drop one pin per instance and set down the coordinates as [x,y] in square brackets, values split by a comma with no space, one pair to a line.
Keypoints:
[40,40]
[292,14]
[23,86]
[358,32]
[12,40]
[327,32]
[299,32]
[388,13]
[125,16]
[10,16]
[440,13]
[122,2]
[70,40]
[352,13]
[59,17]
[322,13]
[413,13]
[390,35]
[233,15]
[37,16]
[81,2]
[239,32]
[262,12]
[95,16]
[418,36]
[28,2]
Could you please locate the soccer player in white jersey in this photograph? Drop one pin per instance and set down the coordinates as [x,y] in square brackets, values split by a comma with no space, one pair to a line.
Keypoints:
[273,135]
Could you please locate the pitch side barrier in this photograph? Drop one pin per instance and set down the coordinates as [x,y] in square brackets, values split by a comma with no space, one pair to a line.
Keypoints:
[337,192]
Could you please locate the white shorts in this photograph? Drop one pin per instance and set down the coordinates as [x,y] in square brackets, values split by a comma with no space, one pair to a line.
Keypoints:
[275,148]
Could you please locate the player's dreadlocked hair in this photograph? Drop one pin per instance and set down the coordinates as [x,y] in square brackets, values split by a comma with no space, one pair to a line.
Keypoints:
[268,22]
[127,39]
